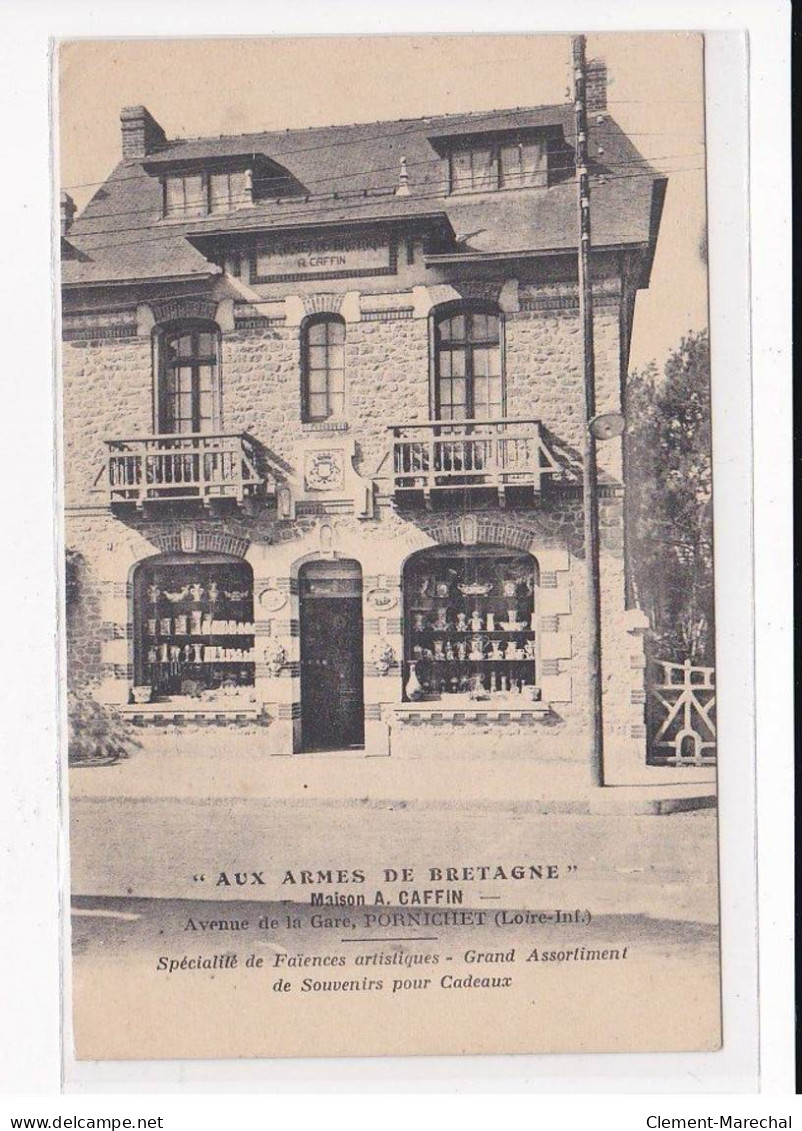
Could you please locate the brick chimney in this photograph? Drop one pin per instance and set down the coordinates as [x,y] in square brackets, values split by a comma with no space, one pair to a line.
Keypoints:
[596,86]
[68,210]
[140,131]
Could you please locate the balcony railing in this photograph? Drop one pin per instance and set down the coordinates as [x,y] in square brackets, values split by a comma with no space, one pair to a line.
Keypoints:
[181,468]
[459,455]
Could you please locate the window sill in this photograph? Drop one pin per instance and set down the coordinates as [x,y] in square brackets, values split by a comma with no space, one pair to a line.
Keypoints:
[192,217]
[179,710]
[499,712]
[497,189]
[324,426]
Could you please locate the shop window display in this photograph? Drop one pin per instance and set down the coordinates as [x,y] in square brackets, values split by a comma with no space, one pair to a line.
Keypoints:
[194,632]
[469,630]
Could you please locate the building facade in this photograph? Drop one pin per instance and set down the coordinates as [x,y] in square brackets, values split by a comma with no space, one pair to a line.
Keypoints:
[323,423]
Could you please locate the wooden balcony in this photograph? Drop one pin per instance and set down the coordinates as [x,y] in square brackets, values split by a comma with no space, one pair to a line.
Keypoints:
[476,456]
[183,468]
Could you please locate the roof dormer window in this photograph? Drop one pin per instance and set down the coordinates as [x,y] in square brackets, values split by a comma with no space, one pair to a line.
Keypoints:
[505,164]
[522,165]
[201,193]
[185,196]
[212,184]
[228,191]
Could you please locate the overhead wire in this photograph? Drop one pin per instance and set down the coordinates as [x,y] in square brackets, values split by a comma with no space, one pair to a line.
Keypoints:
[410,125]
[360,197]
[344,205]
[366,192]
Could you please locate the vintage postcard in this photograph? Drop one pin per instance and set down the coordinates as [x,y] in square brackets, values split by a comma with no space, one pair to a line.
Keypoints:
[389,607]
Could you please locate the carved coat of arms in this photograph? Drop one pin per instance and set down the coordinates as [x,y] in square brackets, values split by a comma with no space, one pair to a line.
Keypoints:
[324,471]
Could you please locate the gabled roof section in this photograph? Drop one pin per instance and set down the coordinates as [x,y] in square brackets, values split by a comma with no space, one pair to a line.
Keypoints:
[348,174]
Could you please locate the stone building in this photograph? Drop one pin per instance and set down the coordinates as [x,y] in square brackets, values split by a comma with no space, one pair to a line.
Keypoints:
[323,417]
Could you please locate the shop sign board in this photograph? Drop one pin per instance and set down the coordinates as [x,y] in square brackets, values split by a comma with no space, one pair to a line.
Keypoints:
[323,257]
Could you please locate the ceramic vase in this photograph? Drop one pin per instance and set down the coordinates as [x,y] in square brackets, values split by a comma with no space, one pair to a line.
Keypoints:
[413,689]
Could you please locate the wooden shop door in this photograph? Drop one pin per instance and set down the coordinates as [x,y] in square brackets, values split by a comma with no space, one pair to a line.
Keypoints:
[332,697]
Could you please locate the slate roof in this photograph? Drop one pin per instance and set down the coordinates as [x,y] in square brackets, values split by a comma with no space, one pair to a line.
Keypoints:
[121,234]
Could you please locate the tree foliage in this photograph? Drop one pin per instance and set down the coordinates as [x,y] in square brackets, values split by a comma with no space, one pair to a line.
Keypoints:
[669,500]
[73,561]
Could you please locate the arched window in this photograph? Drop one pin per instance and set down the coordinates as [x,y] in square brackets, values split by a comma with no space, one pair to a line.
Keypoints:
[468,364]
[188,377]
[323,347]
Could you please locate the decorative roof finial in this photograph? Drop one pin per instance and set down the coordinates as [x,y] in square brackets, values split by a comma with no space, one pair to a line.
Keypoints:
[403,179]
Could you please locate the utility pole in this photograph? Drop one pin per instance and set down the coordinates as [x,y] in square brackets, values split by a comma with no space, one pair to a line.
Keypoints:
[590,497]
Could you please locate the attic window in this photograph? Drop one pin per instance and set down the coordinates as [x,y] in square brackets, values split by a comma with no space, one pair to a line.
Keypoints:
[201,193]
[185,196]
[498,165]
[229,190]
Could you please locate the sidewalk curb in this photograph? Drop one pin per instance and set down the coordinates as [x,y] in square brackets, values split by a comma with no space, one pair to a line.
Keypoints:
[600,805]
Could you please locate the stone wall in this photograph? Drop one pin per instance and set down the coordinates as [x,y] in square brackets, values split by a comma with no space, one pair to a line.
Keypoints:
[109,390]
[390,362]
[262,387]
[82,613]
[544,370]
[108,393]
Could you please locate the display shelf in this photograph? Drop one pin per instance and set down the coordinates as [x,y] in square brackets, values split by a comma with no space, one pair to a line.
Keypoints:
[451,597]
[474,631]
[471,659]
[164,636]
[197,663]
[499,700]
[194,608]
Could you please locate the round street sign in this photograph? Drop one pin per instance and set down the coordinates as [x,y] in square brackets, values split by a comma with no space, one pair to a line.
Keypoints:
[607,425]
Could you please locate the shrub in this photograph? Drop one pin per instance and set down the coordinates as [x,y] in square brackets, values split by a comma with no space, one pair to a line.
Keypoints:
[98,734]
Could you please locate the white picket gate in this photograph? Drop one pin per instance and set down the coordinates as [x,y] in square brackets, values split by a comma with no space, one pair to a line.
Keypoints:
[685,732]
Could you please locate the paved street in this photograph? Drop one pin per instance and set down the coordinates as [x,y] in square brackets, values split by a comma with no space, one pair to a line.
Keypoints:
[471,771]
[662,866]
